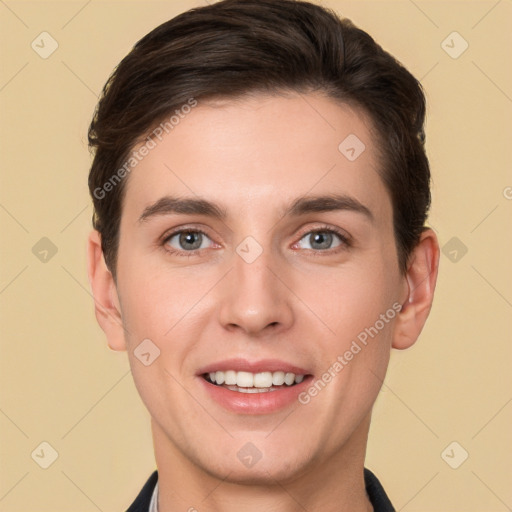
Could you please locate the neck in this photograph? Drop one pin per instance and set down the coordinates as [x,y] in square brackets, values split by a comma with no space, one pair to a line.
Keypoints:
[335,484]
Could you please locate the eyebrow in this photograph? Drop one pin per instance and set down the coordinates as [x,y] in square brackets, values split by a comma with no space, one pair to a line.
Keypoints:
[189,206]
[327,203]
[168,205]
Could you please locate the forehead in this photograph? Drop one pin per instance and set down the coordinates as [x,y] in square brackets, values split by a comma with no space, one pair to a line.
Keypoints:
[261,150]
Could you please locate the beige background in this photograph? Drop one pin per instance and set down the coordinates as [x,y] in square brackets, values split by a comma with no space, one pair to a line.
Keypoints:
[59,382]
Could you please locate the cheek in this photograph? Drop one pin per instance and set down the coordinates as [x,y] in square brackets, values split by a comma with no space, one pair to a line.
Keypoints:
[344,301]
[357,306]
[154,299]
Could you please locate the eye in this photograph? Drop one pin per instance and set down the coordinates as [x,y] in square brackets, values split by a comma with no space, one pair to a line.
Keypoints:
[188,240]
[322,240]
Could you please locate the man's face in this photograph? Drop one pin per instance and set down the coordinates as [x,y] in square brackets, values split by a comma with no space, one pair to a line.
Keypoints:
[273,285]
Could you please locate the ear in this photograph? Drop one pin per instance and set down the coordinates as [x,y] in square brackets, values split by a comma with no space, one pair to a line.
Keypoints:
[421,280]
[106,301]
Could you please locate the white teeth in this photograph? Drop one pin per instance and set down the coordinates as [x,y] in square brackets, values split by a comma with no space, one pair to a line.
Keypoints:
[244,380]
[278,378]
[263,380]
[254,380]
[289,379]
[230,377]
[246,390]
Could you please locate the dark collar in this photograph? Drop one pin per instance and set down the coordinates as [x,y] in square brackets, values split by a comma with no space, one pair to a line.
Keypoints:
[374,489]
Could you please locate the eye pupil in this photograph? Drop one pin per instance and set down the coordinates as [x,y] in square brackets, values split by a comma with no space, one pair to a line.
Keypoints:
[190,240]
[321,240]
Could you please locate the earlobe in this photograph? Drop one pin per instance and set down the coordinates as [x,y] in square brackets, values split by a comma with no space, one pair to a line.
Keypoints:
[106,304]
[421,280]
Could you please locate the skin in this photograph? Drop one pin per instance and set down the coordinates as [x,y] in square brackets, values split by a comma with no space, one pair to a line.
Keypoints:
[295,302]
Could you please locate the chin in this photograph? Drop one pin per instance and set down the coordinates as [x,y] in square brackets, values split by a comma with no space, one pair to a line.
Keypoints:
[262,473]
[256,460]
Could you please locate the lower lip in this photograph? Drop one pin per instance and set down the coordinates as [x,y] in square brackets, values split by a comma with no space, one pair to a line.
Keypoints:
[255,403]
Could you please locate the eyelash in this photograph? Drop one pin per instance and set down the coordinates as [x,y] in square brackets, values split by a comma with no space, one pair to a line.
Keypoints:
[344,239]
[184,254]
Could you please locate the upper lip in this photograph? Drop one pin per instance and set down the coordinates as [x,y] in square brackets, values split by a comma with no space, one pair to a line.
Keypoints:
[244,365]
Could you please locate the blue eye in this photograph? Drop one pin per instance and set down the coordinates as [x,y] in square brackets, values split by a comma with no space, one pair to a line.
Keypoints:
[322,240]
[188,240]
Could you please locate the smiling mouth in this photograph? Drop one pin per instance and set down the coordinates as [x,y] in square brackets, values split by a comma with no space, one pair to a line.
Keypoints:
[247,382]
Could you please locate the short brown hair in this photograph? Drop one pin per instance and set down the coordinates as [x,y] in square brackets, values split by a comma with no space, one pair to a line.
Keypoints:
[238,47]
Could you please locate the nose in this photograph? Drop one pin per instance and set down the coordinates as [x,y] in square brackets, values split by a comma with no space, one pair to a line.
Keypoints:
[255,299]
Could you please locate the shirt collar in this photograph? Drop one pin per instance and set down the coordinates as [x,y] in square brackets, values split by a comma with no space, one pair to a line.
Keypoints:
[374,489]
[153,504]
